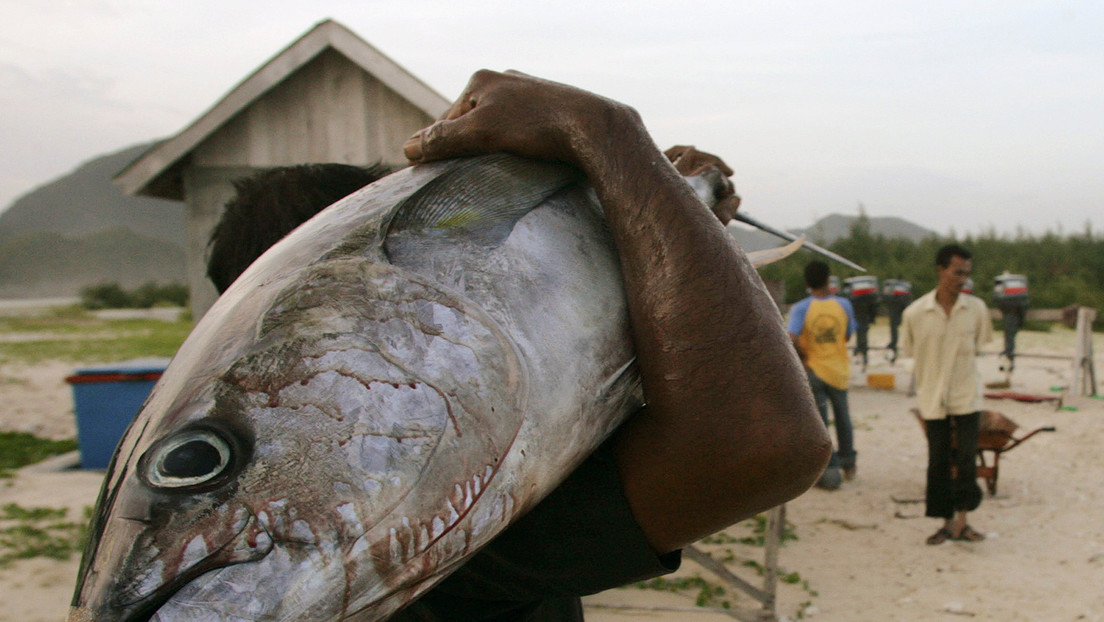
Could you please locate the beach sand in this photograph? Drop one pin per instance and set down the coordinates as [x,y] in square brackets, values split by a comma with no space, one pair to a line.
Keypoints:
[860,551]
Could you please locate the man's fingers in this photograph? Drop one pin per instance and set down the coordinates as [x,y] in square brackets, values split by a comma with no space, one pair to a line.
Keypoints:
[449,139]
[412,148]
[689,161]
[725,209]
[696,162]
[427,144]
[677,156]
[726,169]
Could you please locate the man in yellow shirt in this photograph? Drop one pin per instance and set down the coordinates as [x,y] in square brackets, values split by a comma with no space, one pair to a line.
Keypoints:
[943,331]
[820,326]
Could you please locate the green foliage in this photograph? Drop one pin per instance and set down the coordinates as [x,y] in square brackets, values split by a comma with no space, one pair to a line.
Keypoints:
[104,296]
[39,532]
[18,449]
[1061,271]
[12,511]
[710,593]
[145,296]
[758,525]
[792,578]
[705,593]
[720,538]
[73,334]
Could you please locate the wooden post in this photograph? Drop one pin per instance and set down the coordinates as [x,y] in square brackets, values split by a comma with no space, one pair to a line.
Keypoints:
[776,524]
[1084,370]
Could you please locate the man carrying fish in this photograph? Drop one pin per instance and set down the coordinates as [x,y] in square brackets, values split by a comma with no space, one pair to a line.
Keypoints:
[729,428]
[718,369]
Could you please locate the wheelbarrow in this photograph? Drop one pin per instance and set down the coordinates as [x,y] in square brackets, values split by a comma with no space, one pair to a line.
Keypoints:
[995,435]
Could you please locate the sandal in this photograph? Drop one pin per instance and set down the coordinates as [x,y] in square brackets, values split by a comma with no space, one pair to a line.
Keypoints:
[969,534]
[940,536]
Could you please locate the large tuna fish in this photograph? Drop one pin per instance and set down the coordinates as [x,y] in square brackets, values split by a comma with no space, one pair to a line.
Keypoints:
[373,400]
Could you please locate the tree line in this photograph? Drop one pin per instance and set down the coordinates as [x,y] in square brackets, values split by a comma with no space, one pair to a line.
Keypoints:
[111,295]
[1061,270]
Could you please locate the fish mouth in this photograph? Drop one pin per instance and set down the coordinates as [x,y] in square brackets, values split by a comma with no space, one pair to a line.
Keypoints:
[250,543]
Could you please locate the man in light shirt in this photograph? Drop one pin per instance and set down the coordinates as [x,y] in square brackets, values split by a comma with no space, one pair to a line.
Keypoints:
[943,331]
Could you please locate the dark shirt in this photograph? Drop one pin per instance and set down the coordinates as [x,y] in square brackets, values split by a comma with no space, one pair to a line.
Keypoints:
[580,540]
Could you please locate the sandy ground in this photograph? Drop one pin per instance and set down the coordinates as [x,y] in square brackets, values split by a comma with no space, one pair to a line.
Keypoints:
[860,552]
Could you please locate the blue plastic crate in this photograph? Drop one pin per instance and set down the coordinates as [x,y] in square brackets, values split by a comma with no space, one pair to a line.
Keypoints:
[105,400]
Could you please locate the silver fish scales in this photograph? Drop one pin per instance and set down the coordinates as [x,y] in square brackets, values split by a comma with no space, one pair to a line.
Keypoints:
[374,399]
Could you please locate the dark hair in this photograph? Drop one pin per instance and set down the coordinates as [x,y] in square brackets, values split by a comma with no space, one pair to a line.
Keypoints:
[268,205]
[943,257]
[816,274]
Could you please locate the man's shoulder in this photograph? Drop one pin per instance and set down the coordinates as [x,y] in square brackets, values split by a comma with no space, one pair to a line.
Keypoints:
[975,303]
[801,305]
[922,302]
[835,304]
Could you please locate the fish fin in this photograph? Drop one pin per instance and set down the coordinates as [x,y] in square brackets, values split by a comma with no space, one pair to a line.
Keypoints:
[771,255]
[625,380]
[622,389]
[481,198]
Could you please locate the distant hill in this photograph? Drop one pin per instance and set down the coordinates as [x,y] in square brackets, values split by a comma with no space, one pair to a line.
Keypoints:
[831,228]
[80,230]
[835,226]
[85,201]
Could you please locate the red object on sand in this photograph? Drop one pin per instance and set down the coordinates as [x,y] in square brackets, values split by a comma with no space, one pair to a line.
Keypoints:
[1020,397]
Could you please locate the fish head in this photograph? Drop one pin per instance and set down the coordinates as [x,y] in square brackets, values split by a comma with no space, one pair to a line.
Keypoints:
[348,422]
[273,478]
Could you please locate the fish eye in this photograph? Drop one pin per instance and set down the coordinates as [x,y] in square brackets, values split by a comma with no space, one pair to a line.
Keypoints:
[191,458]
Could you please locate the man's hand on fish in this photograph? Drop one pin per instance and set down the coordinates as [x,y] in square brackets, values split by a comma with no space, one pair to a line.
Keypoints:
[520,114]
[730,428]
[497,112]
[693,163]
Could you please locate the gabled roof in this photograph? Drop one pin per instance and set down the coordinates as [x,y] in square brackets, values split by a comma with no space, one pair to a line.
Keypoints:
[140,175]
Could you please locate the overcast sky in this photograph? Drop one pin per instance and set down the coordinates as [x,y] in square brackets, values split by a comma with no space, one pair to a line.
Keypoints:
[953,114]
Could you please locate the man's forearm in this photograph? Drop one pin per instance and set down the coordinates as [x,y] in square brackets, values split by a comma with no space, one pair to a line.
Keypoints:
[730,428]
[719,371]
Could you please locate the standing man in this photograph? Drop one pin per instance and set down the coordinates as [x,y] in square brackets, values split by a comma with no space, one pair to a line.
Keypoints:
[1010,296]
[943,331]
[820,327]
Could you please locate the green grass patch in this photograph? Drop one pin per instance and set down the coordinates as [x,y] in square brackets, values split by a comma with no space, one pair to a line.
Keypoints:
[711,592]
[704,593]
[18,449]
[758,527]
[72,334]
[26,533]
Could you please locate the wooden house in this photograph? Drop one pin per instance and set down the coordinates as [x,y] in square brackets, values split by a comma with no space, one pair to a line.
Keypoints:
[327,97]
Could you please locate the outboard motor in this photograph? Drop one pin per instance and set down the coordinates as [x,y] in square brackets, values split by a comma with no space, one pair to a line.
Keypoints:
[833,284]
[1010,296]
[863,293]
[896,294]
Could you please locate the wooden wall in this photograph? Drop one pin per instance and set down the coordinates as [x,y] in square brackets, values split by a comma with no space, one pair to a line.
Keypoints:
[329,111]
